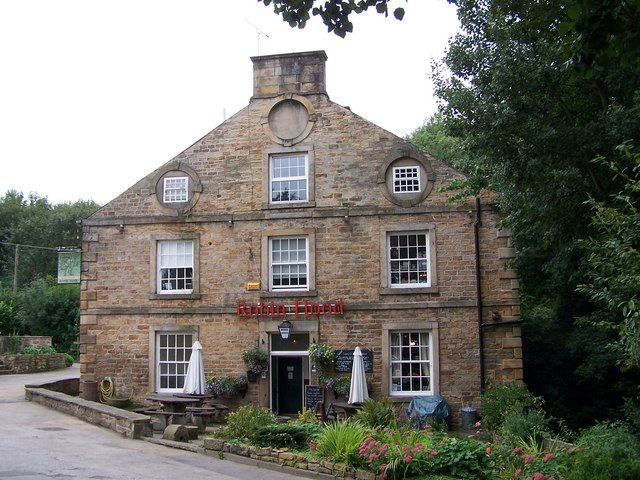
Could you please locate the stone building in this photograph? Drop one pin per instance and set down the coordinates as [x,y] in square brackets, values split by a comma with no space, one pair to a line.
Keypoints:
[298,208]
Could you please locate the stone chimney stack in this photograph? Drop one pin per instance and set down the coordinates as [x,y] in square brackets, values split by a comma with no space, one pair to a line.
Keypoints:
[299,73]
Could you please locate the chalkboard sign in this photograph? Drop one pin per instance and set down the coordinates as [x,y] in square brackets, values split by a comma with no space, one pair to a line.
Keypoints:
[343,360]
[312,395]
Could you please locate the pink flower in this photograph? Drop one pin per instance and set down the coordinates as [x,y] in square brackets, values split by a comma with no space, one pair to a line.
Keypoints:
[517,450]
[477,424]
[538,476]
[432,453]
[383,466]
[488,450]
[527,458]
[548,457]
[517,473]
[407,459]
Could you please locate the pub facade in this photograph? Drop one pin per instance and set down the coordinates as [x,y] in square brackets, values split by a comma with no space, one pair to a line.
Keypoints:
[298,210]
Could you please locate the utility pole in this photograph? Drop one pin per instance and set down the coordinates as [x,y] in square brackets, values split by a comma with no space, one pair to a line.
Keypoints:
[15,269]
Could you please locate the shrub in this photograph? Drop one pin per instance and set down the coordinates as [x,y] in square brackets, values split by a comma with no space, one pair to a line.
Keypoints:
[244,423]
[290,435]
[339,441]
[404,452]
[307,416]
[529,460]
[377,413]
[528,427]
[498,401]
[68,359]
[606,451]
[33,350]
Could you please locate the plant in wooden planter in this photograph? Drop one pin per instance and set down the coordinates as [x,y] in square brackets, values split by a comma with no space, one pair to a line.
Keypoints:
[256,360]
[227,386]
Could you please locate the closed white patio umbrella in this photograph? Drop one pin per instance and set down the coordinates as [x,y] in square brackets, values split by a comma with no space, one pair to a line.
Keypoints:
[358,392]
[194,382]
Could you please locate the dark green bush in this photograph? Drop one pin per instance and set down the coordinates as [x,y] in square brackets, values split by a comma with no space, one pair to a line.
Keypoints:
[606,451]
[530,426]
[290,435]
[377,413]
[244,423]
[68,359]
[33,350]
[498,401]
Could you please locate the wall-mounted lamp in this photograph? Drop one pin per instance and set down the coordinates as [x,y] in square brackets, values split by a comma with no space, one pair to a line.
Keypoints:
[230,223]
[285,329]
[121,227]
[346,219]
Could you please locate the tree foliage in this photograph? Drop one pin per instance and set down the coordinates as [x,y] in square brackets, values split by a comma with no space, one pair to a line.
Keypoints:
[40,227]
[335,14]
[531,114]
[613,256]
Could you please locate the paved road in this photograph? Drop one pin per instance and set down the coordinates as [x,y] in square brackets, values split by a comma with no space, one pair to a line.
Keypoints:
[38,443]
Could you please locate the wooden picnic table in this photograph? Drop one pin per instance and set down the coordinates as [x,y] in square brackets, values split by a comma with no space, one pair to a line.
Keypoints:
[347,409]
[174,403]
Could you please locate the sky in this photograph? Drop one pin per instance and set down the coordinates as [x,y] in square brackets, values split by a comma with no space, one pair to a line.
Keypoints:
[97,94]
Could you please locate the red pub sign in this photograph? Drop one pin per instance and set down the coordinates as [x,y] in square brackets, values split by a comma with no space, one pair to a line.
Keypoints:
[305,307]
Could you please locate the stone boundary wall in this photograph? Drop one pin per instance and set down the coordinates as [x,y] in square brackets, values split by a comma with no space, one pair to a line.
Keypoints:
[34,363]
[304,466]
[128,424]
[26,341]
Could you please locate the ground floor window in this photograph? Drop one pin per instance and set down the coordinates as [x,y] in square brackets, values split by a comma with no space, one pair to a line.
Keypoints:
[410,362]
[173,351]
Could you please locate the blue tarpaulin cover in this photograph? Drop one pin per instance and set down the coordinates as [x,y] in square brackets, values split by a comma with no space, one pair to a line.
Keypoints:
[427,410]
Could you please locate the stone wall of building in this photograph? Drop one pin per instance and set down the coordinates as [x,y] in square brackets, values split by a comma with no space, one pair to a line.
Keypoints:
[347,217]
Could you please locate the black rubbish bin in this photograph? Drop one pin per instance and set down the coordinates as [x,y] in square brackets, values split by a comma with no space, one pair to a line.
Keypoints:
[90,390]
[469,417]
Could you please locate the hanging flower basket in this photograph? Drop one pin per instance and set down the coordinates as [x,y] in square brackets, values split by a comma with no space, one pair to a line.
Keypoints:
[256,360]
[321,355]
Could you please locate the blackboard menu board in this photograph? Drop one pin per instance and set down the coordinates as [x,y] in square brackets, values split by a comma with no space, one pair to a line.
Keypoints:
[312,395]
[343,360]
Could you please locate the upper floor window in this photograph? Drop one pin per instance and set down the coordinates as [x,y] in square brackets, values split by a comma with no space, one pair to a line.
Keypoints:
[406,179]
[410,362]
[289,263]
[176,189]
[289,178]
[175,266]
[408,259]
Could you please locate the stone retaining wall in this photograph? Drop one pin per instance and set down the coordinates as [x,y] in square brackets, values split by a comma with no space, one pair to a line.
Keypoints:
[34,363]
[25,341]
[286,458]
[128,424]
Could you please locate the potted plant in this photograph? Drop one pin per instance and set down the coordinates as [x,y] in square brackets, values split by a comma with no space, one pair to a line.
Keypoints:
[256,360]
[340,386]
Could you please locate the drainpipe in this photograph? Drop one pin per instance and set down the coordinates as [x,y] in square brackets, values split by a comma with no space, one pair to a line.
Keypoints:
[476,237]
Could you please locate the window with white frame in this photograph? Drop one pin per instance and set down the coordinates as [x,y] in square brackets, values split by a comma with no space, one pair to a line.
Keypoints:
[288,178]
[410,363]
[175,266]
[408,259]
[289,263]
[173,351]
[406,179]
[176,189]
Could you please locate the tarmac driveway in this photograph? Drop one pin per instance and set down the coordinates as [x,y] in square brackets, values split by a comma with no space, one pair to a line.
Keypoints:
[38,443]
